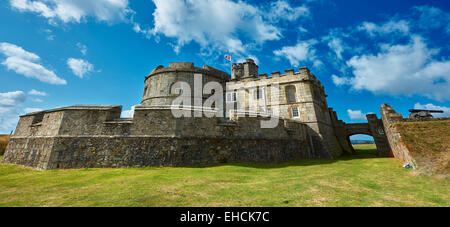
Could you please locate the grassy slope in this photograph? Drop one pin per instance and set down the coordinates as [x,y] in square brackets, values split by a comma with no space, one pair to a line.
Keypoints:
[361,180]
[428,140]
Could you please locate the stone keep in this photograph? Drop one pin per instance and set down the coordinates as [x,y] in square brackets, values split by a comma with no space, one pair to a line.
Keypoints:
[96,137]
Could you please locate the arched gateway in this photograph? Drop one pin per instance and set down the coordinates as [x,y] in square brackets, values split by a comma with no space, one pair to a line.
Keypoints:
[374,127]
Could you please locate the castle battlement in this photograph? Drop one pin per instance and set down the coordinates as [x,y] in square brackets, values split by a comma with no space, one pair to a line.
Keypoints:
[84,136]
[189,67]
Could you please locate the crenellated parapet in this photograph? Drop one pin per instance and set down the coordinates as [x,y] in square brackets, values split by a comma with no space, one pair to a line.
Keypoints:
[96,136]
[248,72]
[160,83]
[188,67]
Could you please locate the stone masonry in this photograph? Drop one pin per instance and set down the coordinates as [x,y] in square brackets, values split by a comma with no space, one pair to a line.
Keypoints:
[96,137]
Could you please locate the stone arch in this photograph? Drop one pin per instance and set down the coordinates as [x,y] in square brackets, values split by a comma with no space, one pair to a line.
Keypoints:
[358,128]
[374,127]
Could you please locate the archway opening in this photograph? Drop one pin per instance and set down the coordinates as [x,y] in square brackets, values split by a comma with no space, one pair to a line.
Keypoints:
[363,144]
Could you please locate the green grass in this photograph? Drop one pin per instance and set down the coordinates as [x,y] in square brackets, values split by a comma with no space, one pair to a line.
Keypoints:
[360,180]
[429,144]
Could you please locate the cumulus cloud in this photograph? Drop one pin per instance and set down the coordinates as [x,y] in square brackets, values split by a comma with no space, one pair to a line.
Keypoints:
[356,114]
[83,48]
[432,17]
[390,27]
[303,51]
[27,64]
[37,93]
[430,106]
[335,43]
[282,10]
[223,25]
[409,69]
[80,67]
[339,81]
[50,36]
[10,102]
[12,99]
[74,11]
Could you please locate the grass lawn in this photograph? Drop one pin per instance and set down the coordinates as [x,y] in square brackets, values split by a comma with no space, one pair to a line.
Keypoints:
[428,140]
[359,180]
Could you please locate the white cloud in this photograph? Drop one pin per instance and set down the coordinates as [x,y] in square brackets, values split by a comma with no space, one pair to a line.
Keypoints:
[12,99]
[302,30]
[282,10]
[32,110]
[83,48]
[80,67]
[7,124]
[38,93]
[74,11]
[432,17]
[356,114]
[10,103]
[301,52]
[50,36]
[430,106]
[335,43]
[223,25]
[390,27]
[26,63]
[128,113]
[339,81]
[402,70]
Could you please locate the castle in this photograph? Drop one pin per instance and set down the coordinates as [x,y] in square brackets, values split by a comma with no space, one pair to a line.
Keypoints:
[95,136]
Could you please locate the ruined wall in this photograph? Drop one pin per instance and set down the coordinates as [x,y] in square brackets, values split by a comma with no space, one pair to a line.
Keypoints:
[373,128]
[423,143]
[91,138]
[398,147]
[379,135]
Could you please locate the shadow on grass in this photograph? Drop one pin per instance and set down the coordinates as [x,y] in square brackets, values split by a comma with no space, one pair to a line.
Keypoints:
[360,154]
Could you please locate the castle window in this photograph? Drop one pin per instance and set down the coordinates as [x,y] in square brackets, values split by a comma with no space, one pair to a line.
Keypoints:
[290,94]
[295,113]
[232,97]
[259,94]
[38,118]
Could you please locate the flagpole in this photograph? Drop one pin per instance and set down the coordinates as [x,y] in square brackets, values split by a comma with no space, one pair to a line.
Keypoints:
[231,72]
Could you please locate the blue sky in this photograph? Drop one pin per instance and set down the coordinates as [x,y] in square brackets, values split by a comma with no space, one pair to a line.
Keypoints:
[57,53]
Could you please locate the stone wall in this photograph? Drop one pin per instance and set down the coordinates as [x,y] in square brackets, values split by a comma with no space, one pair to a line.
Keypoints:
[398,147]
[94,137]
[158,84]
[373,128]
[422,151]
[309,98]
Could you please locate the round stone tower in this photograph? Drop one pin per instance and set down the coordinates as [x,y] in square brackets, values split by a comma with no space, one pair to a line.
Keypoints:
[159,83]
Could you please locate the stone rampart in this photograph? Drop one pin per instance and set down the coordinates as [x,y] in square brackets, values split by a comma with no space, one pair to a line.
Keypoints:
[94,137]
[399,149]
[392,122]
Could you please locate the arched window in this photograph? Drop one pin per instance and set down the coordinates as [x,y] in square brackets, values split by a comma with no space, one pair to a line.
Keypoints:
[290,94]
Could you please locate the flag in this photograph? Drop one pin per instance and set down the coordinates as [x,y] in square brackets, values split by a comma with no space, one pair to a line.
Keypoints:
[228,57]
